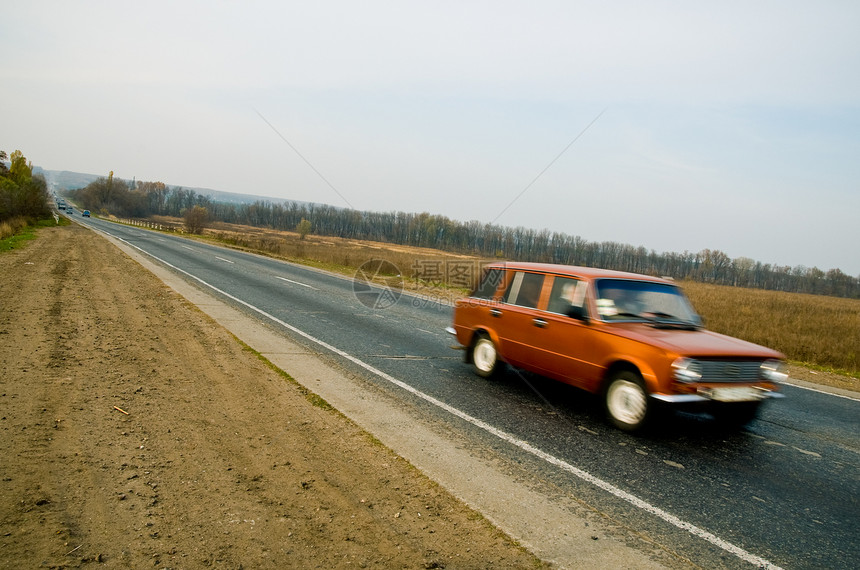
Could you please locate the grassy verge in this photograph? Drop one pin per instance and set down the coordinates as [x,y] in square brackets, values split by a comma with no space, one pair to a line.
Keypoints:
[16,232]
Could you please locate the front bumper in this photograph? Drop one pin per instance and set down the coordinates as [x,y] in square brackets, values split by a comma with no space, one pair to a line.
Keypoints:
[699,398]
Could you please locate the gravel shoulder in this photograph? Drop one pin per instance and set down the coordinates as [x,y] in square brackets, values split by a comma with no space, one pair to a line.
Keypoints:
[137,433]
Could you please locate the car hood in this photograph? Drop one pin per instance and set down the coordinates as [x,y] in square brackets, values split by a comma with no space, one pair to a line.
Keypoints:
[700,342]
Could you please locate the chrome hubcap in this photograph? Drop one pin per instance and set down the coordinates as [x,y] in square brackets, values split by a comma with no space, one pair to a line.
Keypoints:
[484,355]
[626,402]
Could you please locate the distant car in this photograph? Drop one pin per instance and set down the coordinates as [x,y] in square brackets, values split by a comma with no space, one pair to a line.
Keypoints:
[70,211]
[634,340]
[86,213]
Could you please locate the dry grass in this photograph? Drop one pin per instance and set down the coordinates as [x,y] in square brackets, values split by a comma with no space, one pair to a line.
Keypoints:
[9,228]
[812,329]
[327,250]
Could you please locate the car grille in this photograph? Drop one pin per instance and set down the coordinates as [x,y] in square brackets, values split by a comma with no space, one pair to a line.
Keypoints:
[730,370]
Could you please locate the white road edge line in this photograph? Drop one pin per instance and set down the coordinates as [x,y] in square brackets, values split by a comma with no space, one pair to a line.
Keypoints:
[296,283]
[821,391]
[522,444]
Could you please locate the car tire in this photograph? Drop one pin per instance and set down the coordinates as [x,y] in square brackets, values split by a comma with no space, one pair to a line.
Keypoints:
[485,357]
[626,401]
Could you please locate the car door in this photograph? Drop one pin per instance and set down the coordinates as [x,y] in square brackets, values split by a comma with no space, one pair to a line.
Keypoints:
[567,343]
[514,319]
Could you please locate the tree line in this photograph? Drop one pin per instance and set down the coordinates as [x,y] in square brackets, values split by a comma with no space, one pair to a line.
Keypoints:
[22,194]
[491,241]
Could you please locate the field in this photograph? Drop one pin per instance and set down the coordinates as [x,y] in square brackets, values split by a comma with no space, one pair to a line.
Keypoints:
[817,332]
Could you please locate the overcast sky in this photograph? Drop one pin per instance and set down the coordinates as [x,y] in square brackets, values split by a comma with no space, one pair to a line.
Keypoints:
[722,125]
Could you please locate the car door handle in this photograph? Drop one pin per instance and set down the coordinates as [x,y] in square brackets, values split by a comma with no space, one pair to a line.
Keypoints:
[539,323]
[495,313]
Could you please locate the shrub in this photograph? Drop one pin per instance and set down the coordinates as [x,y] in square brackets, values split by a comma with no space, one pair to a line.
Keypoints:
[196,219]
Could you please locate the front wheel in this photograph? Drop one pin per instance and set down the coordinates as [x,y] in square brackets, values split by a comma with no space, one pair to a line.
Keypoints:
[485,357]
[627,404]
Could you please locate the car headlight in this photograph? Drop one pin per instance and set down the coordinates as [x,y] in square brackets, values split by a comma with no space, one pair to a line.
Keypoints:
[687,370]
[774,371]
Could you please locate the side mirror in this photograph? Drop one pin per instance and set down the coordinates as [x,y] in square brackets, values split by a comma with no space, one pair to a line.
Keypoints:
[577,312]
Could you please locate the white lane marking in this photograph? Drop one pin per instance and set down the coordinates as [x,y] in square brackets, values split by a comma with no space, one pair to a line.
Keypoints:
[296,283]
[185,246]
[812,453]
[511,439]
[823,392]
[222,259]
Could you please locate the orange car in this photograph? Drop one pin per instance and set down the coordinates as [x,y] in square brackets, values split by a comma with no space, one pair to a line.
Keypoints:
[633,339]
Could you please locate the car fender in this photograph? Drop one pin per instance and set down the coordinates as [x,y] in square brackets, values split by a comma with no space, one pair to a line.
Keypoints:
[619,361]
[494,336]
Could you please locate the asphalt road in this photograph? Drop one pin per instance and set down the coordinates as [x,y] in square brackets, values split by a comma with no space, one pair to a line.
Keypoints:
[783,492]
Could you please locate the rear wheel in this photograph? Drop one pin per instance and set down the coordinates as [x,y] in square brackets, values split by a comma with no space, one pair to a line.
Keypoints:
[627,404]
[485,357]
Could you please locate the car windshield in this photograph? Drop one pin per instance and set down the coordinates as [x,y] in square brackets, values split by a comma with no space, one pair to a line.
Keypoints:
[629,299]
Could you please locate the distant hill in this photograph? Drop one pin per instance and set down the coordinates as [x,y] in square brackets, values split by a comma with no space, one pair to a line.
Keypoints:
[235,198]
[60,180]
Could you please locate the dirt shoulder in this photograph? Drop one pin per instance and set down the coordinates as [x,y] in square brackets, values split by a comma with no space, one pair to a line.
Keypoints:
[135,433]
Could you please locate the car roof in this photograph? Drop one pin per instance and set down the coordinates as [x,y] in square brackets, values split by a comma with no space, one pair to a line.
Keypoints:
[585,272]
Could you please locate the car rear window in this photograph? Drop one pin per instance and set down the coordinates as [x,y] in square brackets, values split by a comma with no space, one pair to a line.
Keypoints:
[524,289]
[489,283]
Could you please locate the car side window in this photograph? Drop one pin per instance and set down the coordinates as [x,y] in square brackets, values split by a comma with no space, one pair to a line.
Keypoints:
[524,289]
[489,283]
[566,293]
